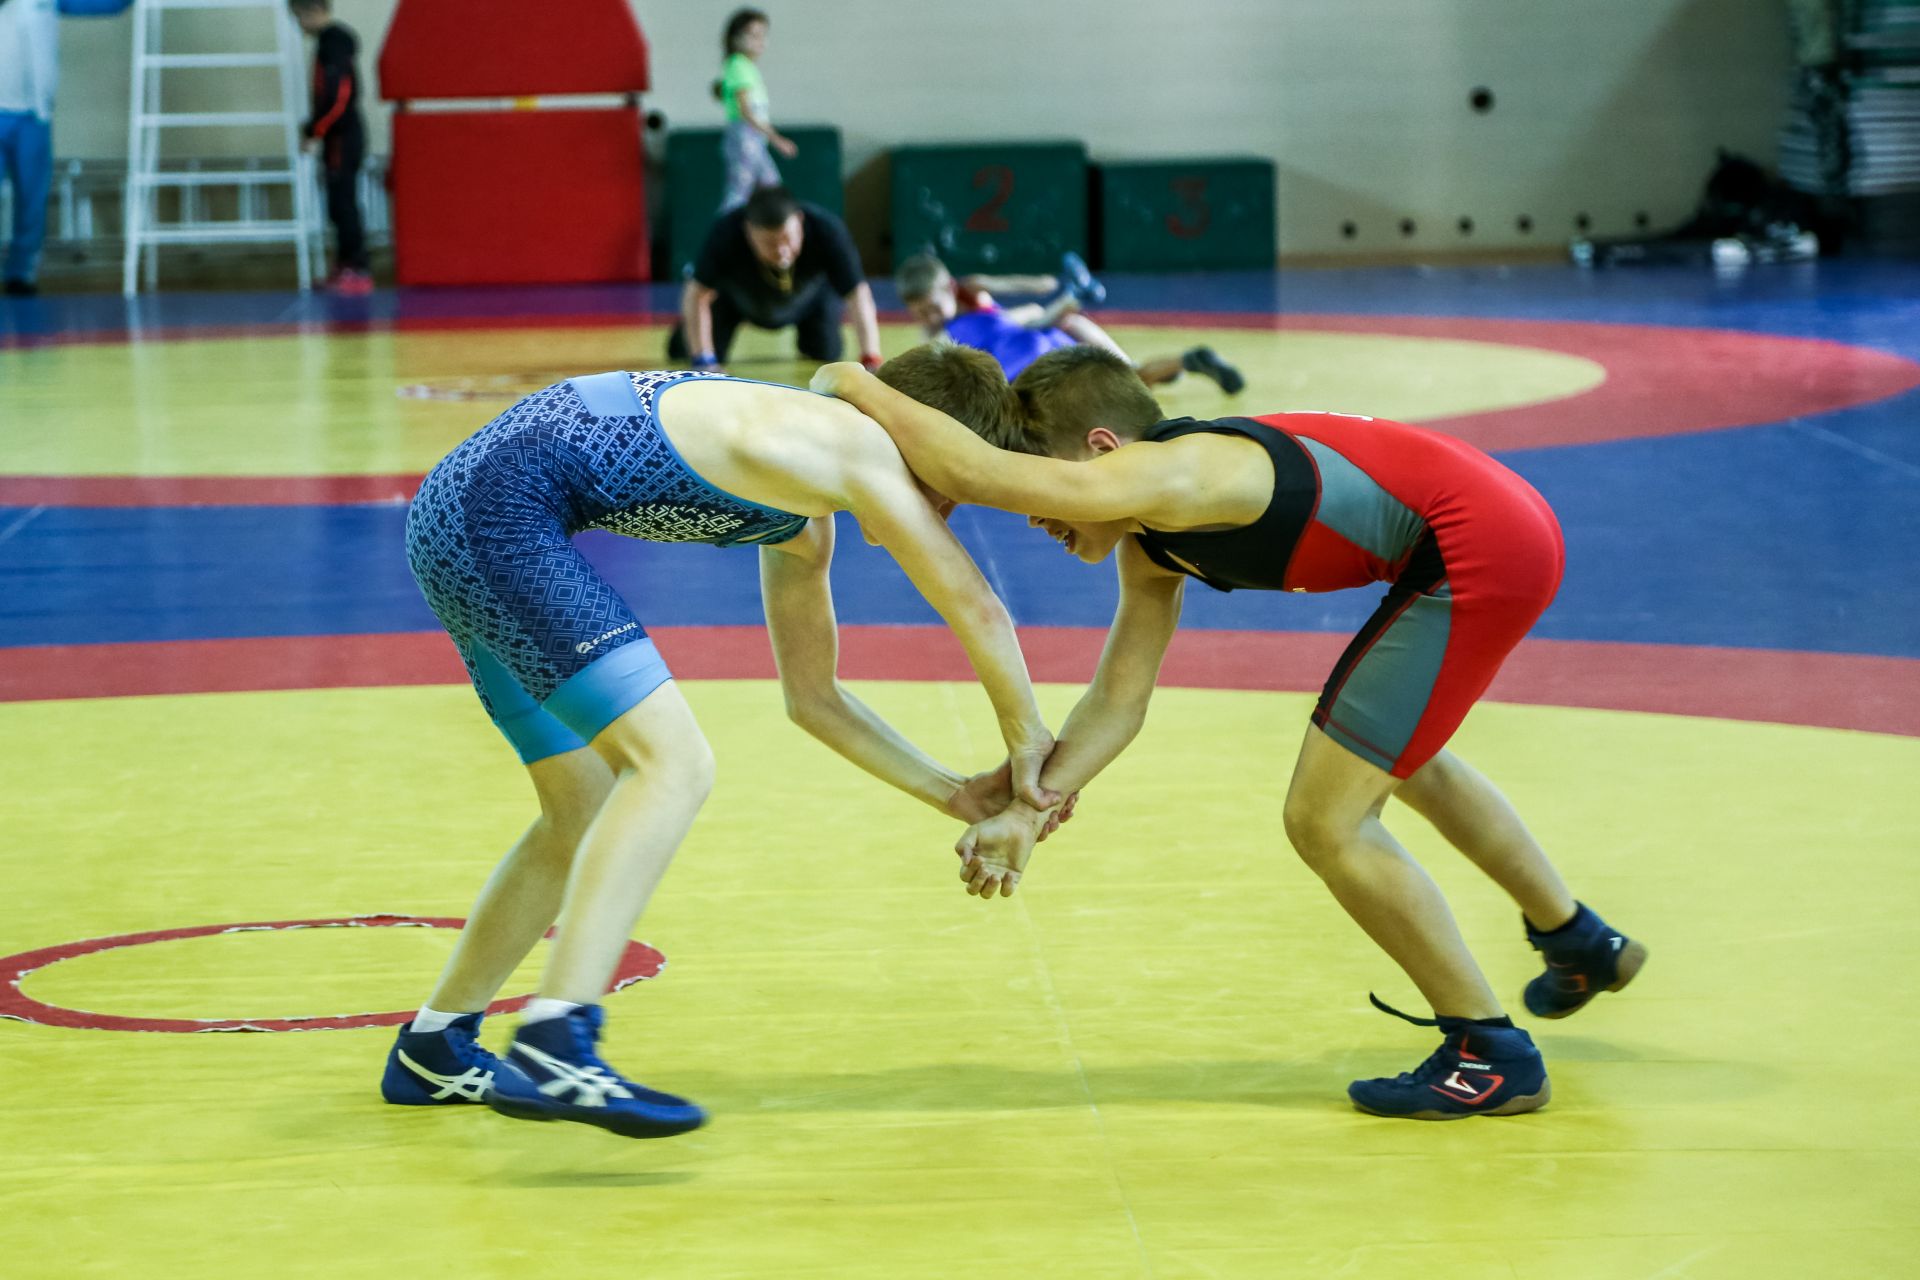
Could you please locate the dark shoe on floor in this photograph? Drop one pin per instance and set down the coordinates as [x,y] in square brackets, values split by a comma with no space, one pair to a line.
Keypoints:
[1478,1070]
[1584,956]
[22,289]
[1206,362]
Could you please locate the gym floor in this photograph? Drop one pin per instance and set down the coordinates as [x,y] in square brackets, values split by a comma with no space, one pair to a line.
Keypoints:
[224,704]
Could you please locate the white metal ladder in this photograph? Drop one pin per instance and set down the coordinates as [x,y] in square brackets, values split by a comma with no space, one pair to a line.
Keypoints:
[147,118]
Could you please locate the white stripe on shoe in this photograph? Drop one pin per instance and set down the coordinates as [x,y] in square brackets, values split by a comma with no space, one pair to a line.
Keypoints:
[592,1085]
[472,1083]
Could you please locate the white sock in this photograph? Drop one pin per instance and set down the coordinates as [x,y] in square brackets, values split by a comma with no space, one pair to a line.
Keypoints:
[540,1008]
[432,1020]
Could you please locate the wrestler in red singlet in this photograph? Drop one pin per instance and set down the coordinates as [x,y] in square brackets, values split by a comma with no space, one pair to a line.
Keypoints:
[1473,552]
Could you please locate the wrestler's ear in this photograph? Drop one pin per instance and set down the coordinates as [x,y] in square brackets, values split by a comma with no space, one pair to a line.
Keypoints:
[1101,440]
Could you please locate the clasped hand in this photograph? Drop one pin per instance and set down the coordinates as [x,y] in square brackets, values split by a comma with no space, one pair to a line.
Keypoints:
[1002,830]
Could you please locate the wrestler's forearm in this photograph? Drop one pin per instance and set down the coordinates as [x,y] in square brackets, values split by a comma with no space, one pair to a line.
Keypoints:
[859,735]
[1096,732]
[1109,715]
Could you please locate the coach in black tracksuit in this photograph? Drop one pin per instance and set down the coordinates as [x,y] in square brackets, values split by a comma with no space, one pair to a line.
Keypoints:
[339,129]
[776,263]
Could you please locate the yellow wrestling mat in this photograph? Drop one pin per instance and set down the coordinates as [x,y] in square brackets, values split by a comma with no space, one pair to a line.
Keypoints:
[1135,1068]
[395,402]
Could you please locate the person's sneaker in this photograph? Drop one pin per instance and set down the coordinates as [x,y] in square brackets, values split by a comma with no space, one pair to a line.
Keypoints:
[439,1068]
[1077,280]
[1478,1070]
[1584,957]
[22,289]
[348,283]
[1206,362]
[551,1072]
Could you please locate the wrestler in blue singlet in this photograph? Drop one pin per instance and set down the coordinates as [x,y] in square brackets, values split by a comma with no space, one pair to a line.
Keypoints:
[554,652]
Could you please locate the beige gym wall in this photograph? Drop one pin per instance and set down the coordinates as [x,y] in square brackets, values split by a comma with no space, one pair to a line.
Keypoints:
[1608,110]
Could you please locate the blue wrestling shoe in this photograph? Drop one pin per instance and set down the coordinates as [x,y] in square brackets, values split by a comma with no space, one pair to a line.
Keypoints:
[551,1072]
[1077,280]
[1478,1070]
[1584,957]
[439,1068]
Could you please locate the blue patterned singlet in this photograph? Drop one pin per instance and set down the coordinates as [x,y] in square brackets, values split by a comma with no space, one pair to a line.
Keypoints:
[490,541]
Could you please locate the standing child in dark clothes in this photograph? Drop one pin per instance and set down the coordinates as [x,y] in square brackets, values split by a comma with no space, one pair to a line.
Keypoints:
[337,130]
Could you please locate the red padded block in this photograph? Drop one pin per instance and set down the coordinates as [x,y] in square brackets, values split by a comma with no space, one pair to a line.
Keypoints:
[518,197]
[511,48]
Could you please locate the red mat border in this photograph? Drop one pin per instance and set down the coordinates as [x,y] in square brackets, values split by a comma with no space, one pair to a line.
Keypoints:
[1832,690]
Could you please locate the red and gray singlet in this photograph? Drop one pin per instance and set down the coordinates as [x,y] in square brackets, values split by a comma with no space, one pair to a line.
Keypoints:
[1472,552]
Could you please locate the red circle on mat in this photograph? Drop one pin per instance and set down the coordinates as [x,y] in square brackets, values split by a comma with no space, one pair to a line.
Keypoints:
[1660,380]
[637,962]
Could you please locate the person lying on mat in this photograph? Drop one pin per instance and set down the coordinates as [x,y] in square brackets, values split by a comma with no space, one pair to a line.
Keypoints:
[966,311]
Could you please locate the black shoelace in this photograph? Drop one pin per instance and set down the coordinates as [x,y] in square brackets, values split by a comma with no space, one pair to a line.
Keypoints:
[1384,1007]
[1440,1061]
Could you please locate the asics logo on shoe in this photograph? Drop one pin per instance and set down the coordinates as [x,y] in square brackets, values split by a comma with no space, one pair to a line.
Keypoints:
[591,1086]
[472,1083]
[1617,941]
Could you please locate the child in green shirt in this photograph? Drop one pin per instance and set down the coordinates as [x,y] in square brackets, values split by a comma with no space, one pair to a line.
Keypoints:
[749,128]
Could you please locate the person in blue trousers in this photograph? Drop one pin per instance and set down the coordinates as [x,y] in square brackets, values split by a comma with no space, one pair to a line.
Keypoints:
[29,69]
[29,73]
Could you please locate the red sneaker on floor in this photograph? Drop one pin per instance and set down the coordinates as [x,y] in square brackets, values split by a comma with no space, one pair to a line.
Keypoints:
[349,283]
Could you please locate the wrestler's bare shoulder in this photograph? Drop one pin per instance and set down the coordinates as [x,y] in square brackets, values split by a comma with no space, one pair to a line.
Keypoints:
[770,438]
